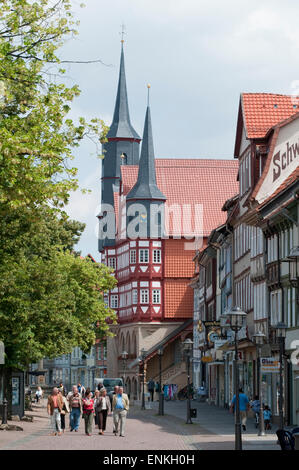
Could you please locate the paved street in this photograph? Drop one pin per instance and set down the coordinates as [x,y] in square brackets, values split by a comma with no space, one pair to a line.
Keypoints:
[213,429]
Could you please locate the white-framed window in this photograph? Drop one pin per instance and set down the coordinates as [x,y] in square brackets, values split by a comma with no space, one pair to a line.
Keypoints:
[112,262]
[144,296]
[135,296]
[143,256]
[156,296]
[114,301]
[157,256]
[132,256]
[275,306]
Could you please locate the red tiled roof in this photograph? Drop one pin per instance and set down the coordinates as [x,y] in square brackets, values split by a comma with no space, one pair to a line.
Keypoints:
[261,111]
[192,181]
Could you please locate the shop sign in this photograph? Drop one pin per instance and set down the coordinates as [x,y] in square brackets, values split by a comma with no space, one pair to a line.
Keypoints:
[269,365]
[206,359]
[210,324]
[219,342]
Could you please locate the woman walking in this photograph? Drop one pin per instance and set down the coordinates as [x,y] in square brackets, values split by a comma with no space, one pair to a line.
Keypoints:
[88,411]
[96,398]
[65,409]
[103,408]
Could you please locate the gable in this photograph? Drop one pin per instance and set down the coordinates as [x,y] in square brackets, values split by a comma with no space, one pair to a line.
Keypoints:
[283,159]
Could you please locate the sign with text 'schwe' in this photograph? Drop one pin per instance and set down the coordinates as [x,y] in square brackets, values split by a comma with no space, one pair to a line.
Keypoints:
[269,365]
[284,161]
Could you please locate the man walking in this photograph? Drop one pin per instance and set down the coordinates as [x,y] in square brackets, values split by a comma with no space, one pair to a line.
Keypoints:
[75,401]
[120,407]
[115,392]
[54,407]
[151,388]
[244,407]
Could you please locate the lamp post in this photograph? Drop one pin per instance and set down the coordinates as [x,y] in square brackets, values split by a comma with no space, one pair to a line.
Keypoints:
[259,341]
[143,356]
[281,334]
[236,319]
[161,395]
[124,356]
[187,348]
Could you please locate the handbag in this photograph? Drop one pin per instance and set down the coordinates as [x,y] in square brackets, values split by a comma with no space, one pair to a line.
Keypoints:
[62,412]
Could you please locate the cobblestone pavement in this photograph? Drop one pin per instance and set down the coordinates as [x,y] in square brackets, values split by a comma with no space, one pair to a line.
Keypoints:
[213,429]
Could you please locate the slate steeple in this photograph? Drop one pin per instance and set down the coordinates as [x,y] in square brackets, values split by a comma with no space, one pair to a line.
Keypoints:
[121,126]
[146,186]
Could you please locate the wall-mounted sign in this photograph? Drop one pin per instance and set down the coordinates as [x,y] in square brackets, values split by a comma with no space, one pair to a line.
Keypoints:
[209,324]
[15,391]
[284,160]
[269,365]
[206,359]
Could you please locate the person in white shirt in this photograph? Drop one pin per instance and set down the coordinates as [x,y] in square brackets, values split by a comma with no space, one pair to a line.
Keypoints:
[103,408]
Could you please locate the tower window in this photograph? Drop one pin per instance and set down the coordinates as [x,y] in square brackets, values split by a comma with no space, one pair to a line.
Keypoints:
[144,296]
[133,256]
[112,263]
[143,256]
[114,301]
[156,296]
[157,256]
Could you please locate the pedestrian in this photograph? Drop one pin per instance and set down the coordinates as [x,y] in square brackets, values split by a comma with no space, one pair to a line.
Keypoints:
[62,389]
[96,397]
[103,409]
[88,411]
[243,405]
[151,388]
[75,401]
[267,417]
[81,389]
[120,407]
[64,411]
[115,392]
[54,407]
[38,394]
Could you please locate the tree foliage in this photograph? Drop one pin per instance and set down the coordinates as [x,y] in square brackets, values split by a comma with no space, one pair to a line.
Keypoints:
[36,135]
[51,299]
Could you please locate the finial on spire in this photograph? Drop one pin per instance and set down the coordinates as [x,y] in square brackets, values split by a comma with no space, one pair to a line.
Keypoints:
[122,33]
[148,93]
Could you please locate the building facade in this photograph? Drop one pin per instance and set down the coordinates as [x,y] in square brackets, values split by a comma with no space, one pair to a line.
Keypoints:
[160,212]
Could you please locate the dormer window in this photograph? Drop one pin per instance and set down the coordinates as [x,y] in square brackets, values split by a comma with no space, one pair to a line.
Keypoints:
[245,173]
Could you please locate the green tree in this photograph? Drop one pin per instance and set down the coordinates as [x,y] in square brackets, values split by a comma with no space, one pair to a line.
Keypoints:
[51,299]
[36,135]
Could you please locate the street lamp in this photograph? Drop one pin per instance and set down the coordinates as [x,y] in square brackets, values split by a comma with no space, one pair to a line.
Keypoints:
[124,356]
[161,395]
[236,320]
[259,339]
[187,348]
[143,356]
[281,334]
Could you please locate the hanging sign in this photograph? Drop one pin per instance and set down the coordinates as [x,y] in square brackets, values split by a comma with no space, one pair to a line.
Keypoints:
[269,365]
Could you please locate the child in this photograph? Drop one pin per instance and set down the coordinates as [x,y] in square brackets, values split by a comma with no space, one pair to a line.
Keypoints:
[267,417]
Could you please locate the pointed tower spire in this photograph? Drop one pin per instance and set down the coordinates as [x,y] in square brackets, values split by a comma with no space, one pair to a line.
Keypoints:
[146,186]
[121,126]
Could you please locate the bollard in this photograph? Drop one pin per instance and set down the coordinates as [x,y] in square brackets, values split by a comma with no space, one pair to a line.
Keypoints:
[4,415]
[296,436]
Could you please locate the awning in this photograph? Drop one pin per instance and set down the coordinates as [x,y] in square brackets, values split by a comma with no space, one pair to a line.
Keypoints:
[168,339]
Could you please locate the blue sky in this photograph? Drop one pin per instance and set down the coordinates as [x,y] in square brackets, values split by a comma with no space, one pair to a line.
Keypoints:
[197,55]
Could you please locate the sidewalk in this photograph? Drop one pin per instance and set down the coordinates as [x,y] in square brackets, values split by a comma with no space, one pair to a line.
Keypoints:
[217,426]
[213,429]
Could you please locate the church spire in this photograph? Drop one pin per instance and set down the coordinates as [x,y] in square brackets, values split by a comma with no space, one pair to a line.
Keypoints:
[146,186]
[121,126]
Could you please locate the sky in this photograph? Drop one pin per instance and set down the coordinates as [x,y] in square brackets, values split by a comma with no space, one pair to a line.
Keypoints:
[197,55]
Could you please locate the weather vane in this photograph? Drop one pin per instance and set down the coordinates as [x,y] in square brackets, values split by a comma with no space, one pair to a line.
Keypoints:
[148,93]
[122,33]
